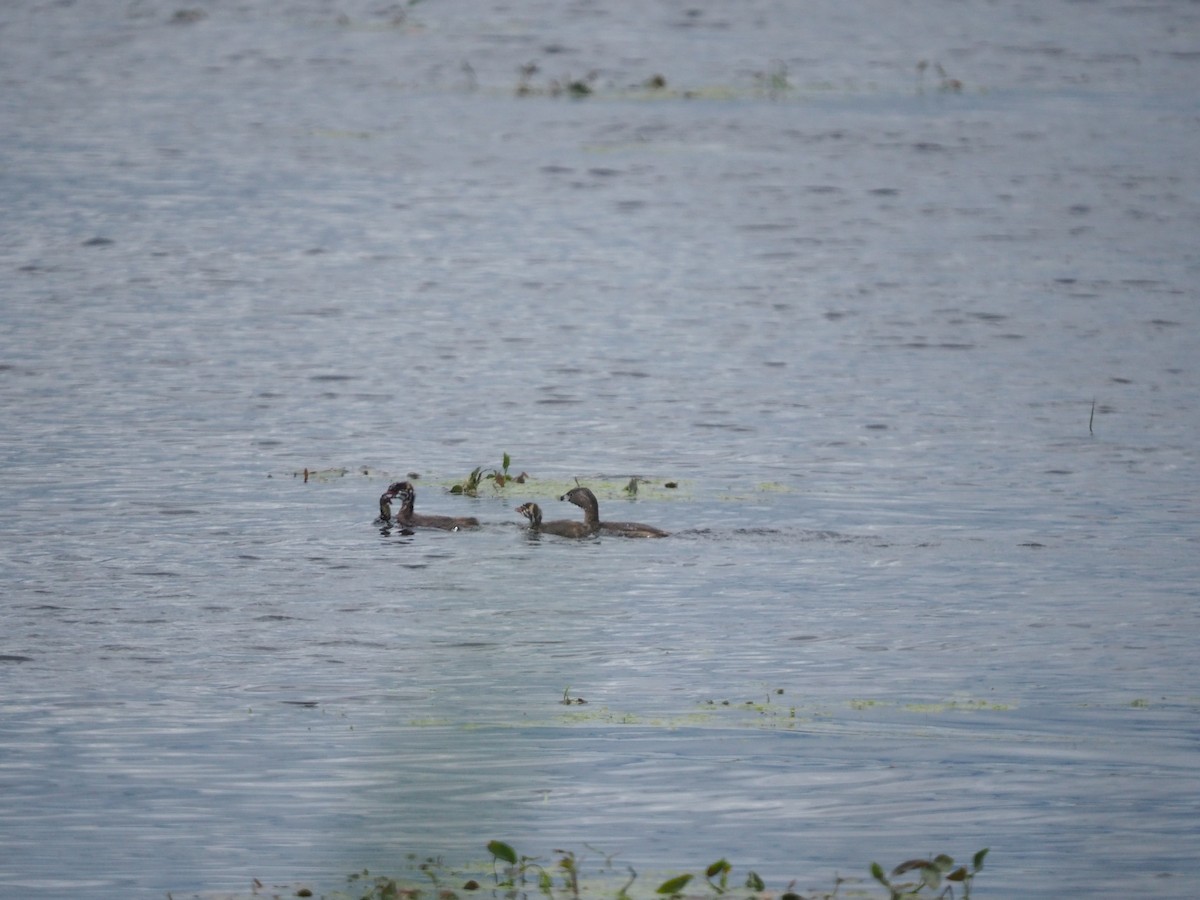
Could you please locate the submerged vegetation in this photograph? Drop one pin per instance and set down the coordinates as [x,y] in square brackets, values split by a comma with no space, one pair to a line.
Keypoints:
[503,478]
[515,876]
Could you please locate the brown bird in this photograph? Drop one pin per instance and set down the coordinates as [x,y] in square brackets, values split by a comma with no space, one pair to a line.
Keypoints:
[586,500]
[405,515]
[561,527]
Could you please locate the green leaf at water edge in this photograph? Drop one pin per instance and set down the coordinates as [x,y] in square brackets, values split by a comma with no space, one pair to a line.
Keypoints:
[755,883]
[977,862]
[877,874]
[717,868]
[931,877]
[673,886]
[502,851]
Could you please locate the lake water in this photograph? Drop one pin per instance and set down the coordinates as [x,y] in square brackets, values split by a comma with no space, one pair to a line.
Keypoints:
[917,344]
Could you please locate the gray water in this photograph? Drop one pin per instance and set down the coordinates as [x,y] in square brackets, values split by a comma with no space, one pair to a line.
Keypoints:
[917,346]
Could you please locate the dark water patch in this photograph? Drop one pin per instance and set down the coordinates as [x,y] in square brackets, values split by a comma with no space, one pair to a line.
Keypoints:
[98,242]
[332,378]
[276,617]
[766,226]
[14,658]
[179,511]
[717,425]
[155,573]
[306,704]
[351,642]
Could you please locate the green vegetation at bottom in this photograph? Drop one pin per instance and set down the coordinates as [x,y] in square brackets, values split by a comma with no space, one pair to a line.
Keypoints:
[513,876]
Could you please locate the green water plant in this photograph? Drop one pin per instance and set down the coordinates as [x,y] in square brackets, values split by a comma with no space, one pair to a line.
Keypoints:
[931,875]
[516,877]
[498,477]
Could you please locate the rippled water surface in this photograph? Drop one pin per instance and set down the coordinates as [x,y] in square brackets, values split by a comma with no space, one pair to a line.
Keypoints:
[904,301]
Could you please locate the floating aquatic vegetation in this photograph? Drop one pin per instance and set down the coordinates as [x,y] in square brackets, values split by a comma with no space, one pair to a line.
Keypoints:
[946,84]
[499,478]
[519,875]
[931,874]
[320,474]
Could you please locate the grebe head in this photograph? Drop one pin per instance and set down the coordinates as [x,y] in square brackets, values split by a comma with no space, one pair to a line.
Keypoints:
[532,512]
[580,496]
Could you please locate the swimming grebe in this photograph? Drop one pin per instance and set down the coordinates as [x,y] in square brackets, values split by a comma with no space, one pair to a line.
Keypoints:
[561,527]
[585,499]
[385,507]
[405,515]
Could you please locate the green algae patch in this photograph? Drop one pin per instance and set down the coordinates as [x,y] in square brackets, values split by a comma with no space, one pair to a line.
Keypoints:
[959,706]
[934,706]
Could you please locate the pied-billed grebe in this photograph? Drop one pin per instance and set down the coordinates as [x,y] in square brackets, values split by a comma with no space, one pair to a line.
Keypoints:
[385,507]
[561,527]
[405,515]
[586,500]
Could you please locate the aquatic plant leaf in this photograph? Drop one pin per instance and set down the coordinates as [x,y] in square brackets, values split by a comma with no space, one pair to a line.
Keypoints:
[502,851]
[977,862]
[943,862]
[959,874]
[674,885]
[755,883]
[909,865]
[717,868]
[877,873]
